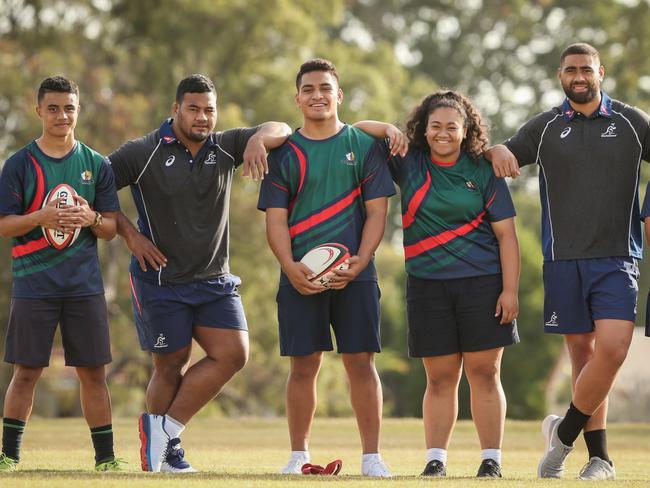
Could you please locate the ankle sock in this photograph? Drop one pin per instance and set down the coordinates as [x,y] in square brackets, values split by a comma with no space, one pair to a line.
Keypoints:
[569,429]
[12,437]
[437,454]
[494,454]
[596,441]
[102,438]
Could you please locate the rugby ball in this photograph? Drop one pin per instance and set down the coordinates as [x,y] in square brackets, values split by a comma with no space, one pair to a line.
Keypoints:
[56,238]
[324,259]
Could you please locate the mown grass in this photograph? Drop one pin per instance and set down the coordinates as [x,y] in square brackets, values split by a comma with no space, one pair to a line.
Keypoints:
[248,452]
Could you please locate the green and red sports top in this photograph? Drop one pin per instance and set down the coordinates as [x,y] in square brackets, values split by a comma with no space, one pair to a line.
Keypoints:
[324,184]
[39,270]
[446,213]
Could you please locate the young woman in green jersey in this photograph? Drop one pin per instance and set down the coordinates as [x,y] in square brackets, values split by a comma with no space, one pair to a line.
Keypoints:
[462,262]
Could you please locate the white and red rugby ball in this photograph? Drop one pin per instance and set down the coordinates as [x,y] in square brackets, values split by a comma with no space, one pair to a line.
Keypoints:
[56,238]
[324,259]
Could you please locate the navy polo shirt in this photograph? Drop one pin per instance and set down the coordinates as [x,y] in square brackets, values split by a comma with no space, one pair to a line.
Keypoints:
[588,177]
[182,202]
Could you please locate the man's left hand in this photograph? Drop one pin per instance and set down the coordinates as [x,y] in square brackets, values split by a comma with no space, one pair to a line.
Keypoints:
[255,163]
[76,216]
[341,277]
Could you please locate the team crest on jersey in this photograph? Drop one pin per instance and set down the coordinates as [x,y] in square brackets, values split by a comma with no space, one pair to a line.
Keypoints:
[350,159]
[87,177]
[610,131]
[211,159]
[471,186]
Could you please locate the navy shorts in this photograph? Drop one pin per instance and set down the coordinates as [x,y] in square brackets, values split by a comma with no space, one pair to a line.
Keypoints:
[455,315]
[578,292]
[84,331]
[352,312]
[165,315]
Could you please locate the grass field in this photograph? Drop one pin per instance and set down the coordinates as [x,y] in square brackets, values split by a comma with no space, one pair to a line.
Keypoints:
[248,452]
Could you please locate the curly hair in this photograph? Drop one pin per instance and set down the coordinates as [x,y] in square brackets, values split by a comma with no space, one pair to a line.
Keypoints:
[476,141]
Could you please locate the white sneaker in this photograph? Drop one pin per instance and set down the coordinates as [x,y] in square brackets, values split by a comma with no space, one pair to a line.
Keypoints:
[154,441]
[375,468]
[294,466]
[597,469]
[552,463]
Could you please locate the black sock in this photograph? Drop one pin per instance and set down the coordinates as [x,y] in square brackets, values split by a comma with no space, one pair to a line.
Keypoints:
[596,441]
[103,443]
[12,436]
[569,429]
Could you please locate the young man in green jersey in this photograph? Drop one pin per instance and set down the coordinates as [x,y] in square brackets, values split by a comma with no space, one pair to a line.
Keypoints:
[328,183]
[57,286]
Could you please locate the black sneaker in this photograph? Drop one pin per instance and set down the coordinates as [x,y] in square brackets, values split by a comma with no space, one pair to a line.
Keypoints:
[434,468]
[489,468]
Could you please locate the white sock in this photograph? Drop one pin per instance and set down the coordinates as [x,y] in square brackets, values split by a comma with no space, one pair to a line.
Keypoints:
[303,455]
[491,454]
[173,427]
[437,454]
[373,456]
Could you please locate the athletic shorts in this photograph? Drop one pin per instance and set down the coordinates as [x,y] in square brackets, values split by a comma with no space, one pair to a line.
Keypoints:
[455,316]
[578,292]
[352,312]
[165,315]
[84,331]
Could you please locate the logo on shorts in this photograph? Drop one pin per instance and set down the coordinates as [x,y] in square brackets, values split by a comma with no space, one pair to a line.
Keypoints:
[552,322]
[565,132]
[631,269]
[610,131]
[161,342]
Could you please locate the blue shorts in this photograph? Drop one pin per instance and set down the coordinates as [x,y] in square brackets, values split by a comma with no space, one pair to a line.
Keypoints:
[581,291]
[166,315]
[305,320]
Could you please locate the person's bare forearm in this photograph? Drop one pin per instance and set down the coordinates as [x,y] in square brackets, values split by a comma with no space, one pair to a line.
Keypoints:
[272,134]
[373,228]
[278,237]
[18,225]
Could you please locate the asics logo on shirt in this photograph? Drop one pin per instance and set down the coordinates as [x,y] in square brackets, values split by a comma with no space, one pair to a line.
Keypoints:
[565,132]
[211,159]
[170,160]
[610,131]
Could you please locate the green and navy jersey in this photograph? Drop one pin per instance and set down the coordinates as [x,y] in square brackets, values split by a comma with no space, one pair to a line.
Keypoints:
[446,213]
[39,270]
[589,168]
[324,184]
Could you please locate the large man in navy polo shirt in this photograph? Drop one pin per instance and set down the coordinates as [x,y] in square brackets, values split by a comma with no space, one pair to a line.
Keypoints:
[589,152]
[180,177]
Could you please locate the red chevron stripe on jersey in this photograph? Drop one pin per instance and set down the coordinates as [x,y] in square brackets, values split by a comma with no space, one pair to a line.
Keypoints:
[39,196]
[434,241]
[302,162]
[30,247]
[323,215]
[409,217]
